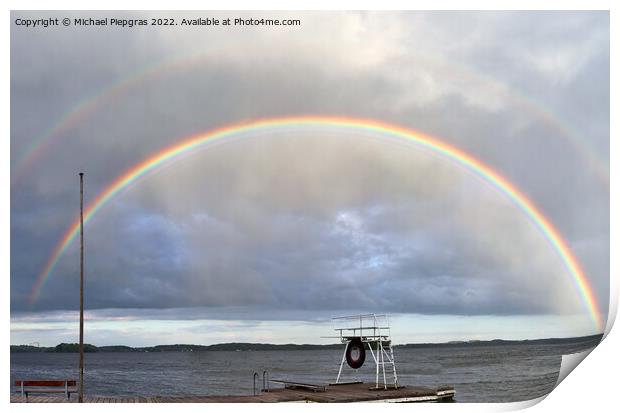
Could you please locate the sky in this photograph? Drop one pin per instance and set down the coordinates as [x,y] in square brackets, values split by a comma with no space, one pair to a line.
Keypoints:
[265,237]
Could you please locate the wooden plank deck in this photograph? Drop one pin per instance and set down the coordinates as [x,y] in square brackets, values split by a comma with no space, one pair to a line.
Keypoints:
[344,393]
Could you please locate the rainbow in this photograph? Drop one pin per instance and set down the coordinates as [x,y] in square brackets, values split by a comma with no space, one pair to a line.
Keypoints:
[195,142]
[106,96]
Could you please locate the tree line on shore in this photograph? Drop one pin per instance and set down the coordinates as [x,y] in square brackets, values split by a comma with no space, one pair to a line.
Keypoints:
[90,348]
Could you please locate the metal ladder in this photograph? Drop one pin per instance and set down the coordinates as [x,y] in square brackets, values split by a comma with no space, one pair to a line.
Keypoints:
[381,358]
[382,355]
[265,387]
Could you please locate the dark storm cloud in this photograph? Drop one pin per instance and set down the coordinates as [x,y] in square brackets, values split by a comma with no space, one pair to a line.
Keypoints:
[316,223]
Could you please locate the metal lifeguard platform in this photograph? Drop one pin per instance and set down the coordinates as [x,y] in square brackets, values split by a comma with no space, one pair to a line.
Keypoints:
[371,331]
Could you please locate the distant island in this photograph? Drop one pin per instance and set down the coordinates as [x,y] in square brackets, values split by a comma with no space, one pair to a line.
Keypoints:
[90,348]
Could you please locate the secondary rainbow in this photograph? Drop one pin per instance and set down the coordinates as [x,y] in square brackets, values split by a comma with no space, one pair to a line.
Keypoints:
[107,95]
[194,142]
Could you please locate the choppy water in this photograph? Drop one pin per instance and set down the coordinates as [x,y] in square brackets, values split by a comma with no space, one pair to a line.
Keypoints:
[479,374]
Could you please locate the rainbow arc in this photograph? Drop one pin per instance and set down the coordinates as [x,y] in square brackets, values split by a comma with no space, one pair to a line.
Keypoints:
[192,143]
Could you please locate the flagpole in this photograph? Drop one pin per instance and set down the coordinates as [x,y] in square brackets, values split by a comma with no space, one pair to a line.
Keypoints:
[81,389]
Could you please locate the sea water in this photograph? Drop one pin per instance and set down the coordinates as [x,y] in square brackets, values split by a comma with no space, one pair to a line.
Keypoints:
[478,373]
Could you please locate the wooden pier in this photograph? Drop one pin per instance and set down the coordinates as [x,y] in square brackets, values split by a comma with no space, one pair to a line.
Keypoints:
[341,393]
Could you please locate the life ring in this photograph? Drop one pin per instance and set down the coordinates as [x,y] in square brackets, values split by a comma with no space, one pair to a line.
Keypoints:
[356,354]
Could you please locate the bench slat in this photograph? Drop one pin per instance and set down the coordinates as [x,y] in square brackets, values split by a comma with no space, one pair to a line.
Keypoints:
[45,383]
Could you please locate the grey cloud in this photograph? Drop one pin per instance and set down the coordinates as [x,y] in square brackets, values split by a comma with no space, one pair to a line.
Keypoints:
[317,222]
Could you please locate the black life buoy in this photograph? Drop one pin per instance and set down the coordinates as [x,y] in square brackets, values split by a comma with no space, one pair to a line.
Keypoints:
[356,354]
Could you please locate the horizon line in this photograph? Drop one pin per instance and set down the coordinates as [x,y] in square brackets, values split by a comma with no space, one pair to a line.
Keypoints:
[464,341]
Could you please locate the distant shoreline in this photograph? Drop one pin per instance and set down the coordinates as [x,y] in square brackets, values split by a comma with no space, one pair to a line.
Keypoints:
[73,347]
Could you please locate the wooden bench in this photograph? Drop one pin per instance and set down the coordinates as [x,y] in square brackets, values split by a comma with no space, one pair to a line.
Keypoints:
[46,386]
